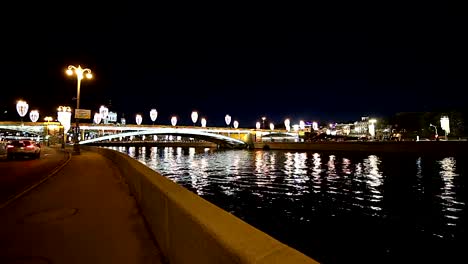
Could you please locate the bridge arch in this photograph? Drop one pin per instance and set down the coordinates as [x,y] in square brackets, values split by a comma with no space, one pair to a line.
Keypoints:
[194,133]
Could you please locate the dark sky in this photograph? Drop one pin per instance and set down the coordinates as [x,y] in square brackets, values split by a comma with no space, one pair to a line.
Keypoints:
[334,64]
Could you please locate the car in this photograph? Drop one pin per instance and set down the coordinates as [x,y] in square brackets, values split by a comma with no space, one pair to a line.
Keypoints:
[29,148]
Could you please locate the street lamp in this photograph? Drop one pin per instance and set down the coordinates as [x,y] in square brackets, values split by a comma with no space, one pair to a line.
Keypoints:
[79,76]
[272,127]
[153,115]
[138,119]
[287,124]
[227,118]
[235,124]
[34,115]
[194,117]
[22,109]
[64,117]
[263,122]
[203,122]
[257,125]
[174,120]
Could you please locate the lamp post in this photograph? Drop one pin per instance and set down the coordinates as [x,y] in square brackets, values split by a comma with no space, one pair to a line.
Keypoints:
[78,71]
[436,134]
[22,109]
[64,117]
[48,119]
[263,122]
[272,127]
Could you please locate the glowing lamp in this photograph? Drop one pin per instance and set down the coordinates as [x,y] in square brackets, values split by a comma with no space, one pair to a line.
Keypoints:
[194,117]
[301,124]
[227,118]
[272,126]
[203,122]
[138,119]
[34,115]
[174,121]
[153,115]
[257,125]
[236,124]
[22,108]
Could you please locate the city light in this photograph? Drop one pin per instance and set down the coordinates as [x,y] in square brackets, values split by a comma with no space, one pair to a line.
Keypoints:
[445,124]
[236,124]
[287,124]
[104,111]
[97,118]
[301,125]
[203,122]
[314,125]
[194,117]
[22,108]
[257,125]
[227,118]
[138,119]
[153,115]
[174,120]
[34,115]
[272,126]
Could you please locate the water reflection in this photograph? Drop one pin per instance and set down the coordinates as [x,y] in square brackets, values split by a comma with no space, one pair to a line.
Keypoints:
[305,197]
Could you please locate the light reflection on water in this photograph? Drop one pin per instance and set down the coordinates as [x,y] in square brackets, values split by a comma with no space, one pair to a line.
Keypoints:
[311,200]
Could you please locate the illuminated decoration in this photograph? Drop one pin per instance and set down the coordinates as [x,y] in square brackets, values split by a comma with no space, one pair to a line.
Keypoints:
[97,118]
[263,121]
[301,125]
[227,118]
[64,117]
[138,119]
[314,125]
[235,124]
[445,124]
[194,117]
[372,127]
[153,115]
[22,108]
[104,111]
[34,115]
[287,124]
[257,125]
[328,131]
[203,122]
[174,120]
[48,119]
[296,127]
[272,126]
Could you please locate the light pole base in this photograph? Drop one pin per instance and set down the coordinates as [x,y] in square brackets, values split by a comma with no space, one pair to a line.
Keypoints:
[76,149]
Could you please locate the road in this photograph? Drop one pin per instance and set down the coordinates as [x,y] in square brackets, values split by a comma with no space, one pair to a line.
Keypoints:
[19,174]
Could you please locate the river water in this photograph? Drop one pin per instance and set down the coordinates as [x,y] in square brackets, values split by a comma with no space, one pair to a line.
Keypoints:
[333,207]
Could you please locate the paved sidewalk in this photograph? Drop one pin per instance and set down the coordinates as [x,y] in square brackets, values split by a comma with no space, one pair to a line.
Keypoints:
[83,214]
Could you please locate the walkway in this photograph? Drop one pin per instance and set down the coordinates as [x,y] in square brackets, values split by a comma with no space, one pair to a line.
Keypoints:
[83,214]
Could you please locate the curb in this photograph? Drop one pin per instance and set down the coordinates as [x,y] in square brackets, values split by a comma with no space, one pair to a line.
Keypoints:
[31,187]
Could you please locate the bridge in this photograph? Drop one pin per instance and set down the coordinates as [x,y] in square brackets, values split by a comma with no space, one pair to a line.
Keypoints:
[94,134]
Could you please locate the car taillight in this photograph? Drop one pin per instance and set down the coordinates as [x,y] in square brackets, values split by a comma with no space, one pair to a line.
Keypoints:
[30,146]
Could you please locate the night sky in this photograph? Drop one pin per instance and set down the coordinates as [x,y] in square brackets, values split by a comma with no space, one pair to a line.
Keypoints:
[301,63]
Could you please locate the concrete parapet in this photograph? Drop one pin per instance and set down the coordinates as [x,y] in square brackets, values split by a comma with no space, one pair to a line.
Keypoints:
[190,229]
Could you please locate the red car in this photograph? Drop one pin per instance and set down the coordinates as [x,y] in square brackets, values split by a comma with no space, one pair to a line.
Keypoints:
[23,148]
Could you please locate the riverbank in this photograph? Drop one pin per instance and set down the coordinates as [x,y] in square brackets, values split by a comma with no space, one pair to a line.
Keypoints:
[380,147]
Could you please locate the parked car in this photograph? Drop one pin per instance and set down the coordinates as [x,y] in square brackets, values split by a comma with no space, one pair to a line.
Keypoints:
[29,148]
